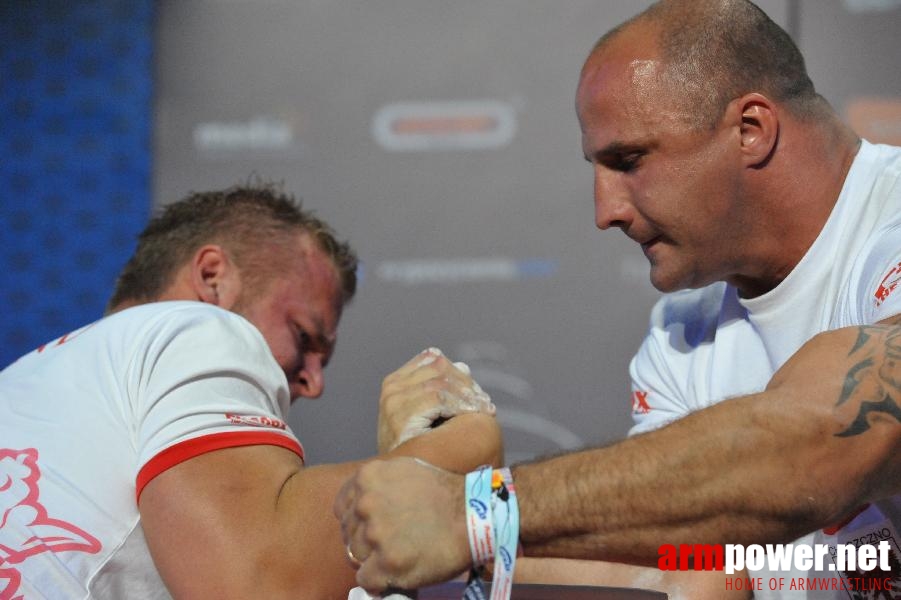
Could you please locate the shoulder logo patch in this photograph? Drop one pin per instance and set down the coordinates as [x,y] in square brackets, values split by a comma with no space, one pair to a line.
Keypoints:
[888,284]
[640,402]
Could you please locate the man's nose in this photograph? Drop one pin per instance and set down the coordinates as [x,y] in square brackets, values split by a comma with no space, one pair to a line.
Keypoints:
[310,378]
[611,205]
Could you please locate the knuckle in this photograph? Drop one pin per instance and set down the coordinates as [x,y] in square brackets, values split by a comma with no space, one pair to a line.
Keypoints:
[368,473]
[389,387]
[388,399]
[438,383]
[397,561]
[366,507]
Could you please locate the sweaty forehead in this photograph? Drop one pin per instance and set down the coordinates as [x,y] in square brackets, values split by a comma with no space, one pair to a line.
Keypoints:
[618,93]
[626,94]
[310,273]
[635,43]
[319,265]
[618,80]
[629,61]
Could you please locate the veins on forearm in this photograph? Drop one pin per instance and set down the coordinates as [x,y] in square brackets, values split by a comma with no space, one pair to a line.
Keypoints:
[874,381]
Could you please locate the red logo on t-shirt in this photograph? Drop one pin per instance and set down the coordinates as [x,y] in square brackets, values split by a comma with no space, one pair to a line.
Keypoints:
[888,284]
[66,338]
[256,420]
[640,402]
[25,527]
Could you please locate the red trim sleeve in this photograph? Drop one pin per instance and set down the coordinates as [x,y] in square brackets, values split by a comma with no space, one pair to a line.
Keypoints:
[188,449]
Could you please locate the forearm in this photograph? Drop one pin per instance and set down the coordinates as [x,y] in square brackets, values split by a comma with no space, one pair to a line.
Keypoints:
[459,444]
[820,441]
[708,478]
[767,467]
[250,522]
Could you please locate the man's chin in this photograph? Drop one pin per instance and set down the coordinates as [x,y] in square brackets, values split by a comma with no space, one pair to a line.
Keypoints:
[671,282]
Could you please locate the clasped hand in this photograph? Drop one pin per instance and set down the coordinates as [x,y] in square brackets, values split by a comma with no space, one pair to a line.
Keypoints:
[403,520]
[428,389]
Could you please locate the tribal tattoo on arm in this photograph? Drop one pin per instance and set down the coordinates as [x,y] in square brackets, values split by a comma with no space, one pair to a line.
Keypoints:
[872,385]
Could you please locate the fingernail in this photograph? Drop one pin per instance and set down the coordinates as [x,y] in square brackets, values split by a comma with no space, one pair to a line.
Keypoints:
[429,359]
[463,367]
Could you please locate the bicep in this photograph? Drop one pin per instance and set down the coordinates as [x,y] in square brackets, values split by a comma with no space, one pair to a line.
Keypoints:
[251,522]
[244,521]
[849,382]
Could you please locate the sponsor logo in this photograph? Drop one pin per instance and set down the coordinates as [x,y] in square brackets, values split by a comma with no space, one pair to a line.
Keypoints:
[25,526]
[864,568]
[888,284]
[255,421]
[640,404]
[774,557]
[479,507]
[463,270]
[454,125]
[263,135]
[505,558]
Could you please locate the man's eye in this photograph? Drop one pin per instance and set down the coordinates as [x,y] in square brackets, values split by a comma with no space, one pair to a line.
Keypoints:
[624,161]
[304,338]
[628,162]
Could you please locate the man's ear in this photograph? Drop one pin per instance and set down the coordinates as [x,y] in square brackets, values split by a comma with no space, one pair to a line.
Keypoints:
[214,277]
[759,128]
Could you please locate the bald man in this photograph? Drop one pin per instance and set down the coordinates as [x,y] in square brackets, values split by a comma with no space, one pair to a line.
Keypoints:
[770,379]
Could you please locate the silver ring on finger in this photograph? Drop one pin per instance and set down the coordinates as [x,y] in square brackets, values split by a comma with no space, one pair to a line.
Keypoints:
[357,563]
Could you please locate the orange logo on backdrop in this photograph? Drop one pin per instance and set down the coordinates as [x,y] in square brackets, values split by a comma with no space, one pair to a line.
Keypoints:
[876,119]
[446,125]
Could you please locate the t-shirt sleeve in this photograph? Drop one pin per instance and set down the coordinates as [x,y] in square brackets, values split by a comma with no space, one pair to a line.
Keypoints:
[879,278]
[656,396]
[206,381]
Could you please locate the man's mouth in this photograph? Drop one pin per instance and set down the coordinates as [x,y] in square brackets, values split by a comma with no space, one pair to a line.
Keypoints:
[646,246]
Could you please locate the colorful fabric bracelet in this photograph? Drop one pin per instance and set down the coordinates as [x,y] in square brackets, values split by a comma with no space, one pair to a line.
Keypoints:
[479,521]
[506,532]
[493,527]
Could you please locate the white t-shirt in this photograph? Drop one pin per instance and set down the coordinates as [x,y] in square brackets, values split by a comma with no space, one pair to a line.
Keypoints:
[707,345]
[86,421]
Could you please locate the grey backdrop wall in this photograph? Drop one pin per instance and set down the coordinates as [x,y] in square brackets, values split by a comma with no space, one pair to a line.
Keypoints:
[440,138]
